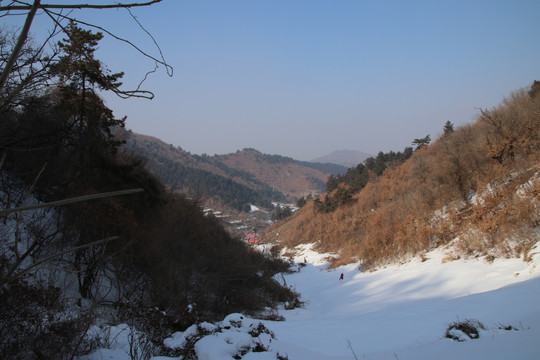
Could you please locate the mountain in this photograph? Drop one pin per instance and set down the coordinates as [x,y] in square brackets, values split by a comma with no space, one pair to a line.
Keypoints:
[245,177]
[348,158]
[292,177]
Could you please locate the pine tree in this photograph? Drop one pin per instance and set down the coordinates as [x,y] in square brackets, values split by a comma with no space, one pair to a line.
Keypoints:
[448,129]
[421,142]
[80,74]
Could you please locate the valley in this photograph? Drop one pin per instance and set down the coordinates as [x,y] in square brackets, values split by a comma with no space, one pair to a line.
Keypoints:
[242,189]
[117,244]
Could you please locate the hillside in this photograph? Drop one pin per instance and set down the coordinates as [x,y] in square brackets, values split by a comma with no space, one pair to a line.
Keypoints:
[293,178]
[247,176]
[477,187]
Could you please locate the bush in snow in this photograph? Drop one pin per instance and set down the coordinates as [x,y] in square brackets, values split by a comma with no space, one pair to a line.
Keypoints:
[464,330]
[235,336]
[35,323]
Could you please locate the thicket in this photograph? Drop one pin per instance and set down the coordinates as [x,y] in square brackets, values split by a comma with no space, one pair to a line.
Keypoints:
[477,185]
[281,213]
[117,256]
[341,188]
[357,177]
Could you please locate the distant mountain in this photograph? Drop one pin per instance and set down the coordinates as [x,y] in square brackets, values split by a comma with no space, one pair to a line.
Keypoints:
[327,168]
[233,180]
[348,158]
[292,177]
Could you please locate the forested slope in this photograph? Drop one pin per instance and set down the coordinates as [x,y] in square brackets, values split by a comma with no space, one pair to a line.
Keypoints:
[244,177]
[201,177]
[293,178]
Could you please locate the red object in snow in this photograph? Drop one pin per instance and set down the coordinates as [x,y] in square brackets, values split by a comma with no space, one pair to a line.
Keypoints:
[251,238]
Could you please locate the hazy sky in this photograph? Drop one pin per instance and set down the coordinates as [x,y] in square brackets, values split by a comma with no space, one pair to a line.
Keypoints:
[302,78]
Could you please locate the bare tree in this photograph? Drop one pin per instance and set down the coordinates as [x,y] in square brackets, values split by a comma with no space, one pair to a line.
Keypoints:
[29,71]
[35,243]
[512,127]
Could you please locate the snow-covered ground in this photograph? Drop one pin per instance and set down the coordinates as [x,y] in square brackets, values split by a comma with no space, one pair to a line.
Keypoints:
[399,312]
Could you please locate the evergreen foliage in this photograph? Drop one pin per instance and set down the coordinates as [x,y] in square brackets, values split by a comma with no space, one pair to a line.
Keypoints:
[357,177]
[281,213]
[421,142]
[304,200]
[448,129]
[202,184]
[341,188]
[79,75]
[78,68]
[328,168]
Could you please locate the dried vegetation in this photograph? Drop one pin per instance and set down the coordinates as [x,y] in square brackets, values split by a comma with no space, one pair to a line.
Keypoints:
[477,187]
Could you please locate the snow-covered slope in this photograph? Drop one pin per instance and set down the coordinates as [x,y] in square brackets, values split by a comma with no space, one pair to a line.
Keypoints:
[399,312]
[403,311]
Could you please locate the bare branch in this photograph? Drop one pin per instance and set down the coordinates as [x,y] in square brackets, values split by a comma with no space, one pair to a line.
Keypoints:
[169,68]
[72,200]
[20,43]
[78,6]
[10,277]
[25,77]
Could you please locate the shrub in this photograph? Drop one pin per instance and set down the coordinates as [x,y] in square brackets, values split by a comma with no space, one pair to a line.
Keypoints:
[459,329]
[33,314]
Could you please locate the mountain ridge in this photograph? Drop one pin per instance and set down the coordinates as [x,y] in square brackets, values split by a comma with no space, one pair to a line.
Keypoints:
[246,176]
[348,158]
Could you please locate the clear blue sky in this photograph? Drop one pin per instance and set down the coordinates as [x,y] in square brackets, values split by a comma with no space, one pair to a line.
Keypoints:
[302,78]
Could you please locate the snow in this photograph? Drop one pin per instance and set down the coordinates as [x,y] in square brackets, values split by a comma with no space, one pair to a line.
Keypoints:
[405,309]
[398,312]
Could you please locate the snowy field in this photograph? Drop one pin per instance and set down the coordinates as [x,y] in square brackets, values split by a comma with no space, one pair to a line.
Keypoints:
[399,312]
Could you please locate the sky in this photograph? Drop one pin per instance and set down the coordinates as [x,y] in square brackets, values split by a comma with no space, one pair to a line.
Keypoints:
[302,78]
